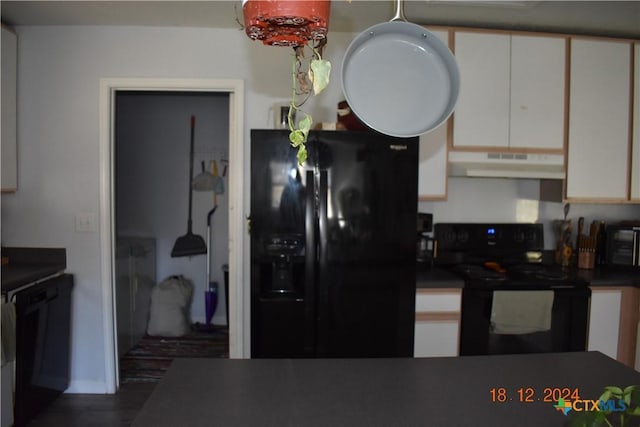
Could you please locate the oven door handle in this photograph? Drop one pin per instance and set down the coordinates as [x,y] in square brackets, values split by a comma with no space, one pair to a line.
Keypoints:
[487,309]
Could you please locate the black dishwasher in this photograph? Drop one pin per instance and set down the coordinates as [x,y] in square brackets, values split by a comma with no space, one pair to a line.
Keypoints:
[43,314]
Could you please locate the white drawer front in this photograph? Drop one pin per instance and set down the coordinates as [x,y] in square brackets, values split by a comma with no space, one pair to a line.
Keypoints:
[429,301]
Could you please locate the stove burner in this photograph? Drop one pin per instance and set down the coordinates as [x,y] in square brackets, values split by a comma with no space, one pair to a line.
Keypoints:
[478,272]
[530,276]
[538,271]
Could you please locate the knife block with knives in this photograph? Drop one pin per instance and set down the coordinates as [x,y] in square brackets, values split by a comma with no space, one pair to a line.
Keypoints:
[587,244]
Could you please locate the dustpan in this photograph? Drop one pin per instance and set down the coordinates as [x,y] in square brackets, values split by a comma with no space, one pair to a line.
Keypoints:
[205,181]
[189,244]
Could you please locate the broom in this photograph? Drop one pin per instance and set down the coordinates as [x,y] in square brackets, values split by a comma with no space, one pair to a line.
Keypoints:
[189,244]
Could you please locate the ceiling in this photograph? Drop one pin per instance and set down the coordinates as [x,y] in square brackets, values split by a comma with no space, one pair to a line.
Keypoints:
[602,18]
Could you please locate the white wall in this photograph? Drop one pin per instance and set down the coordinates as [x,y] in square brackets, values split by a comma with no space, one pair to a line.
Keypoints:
[515,200]
[58,86]
[58,162]
[152,169]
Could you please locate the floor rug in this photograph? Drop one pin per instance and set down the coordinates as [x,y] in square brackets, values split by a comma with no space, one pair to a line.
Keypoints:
[150,358]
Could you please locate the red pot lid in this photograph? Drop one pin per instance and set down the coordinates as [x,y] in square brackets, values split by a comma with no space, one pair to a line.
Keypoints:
[286,22]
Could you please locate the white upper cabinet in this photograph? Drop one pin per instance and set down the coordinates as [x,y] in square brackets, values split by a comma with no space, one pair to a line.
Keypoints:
[8,155]
[481,117]
[537,92]
[635,159]
[432,168]
[512,92]
[599,119]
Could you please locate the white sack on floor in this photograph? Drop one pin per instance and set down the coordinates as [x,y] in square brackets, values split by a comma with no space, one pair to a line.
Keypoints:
[170,303]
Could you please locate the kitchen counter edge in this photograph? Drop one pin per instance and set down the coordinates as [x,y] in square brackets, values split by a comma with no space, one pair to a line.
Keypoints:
[29,265]
[437,278]
[611,276]
[601,276]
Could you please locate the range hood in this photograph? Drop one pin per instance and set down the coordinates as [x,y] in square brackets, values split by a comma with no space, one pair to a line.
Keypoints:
[506,165]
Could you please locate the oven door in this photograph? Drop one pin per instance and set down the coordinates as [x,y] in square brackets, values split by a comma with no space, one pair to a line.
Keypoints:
[567,329]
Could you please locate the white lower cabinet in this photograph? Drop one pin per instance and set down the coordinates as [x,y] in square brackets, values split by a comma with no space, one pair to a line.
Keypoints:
[614,323]
[604,321]
[437,327]
[436,338]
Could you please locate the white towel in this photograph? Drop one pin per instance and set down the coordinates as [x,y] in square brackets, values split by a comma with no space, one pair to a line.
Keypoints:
[521,312]
[8,330]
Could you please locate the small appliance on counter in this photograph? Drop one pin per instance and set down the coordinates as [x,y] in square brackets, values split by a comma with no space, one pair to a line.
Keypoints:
[425,244]
[623,244]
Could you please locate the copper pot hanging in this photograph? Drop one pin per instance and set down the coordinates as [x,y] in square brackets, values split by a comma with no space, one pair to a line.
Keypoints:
[286,22]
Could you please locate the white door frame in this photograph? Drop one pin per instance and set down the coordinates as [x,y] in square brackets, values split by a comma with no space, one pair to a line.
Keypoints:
[238,315]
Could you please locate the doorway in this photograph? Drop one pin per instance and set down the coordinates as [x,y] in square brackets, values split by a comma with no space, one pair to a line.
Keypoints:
[154,174]
[230,92]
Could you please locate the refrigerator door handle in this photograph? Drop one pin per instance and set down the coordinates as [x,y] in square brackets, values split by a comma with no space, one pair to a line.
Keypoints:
[323,273]
[323,220]
[310,267]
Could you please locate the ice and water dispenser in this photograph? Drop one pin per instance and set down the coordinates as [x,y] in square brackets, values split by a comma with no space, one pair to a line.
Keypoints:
[282,264]
[278,299]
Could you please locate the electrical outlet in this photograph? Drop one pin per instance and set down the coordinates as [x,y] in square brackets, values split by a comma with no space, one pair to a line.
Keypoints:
[85,222]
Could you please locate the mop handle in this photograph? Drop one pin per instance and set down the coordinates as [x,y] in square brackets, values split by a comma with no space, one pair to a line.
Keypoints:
[210,214]
[193,125]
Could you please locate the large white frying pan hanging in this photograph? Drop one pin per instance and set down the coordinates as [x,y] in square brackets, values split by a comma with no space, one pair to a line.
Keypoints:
[399,78]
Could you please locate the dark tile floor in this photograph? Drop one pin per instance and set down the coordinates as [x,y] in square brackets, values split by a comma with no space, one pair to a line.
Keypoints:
[96,410]
[120,409]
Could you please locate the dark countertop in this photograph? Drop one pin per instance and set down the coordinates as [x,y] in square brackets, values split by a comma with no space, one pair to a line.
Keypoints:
[437,278]
[402,392]
[28,265]
[611,276]
[600,276]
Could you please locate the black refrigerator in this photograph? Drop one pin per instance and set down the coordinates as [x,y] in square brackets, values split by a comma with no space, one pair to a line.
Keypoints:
[333,245]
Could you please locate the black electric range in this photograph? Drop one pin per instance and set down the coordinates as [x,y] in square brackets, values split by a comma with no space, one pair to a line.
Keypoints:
[500,256]
[502,267]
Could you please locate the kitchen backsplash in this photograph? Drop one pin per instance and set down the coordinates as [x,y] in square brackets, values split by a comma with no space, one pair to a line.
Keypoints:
[515,200]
